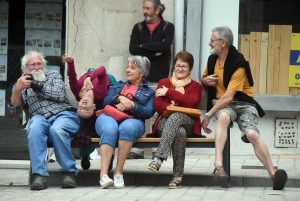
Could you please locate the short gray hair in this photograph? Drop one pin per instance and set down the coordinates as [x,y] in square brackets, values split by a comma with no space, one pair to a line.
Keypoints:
[224,32]
[157,4]
[33,54]
[143,63]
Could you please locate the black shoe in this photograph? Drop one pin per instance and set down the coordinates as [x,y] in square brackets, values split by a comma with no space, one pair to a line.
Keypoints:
[85,162]
[133,155]
[39,182]
[68,180]
[279,179]
[111,162]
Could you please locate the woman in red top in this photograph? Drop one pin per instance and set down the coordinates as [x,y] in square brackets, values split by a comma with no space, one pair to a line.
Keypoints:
[182,91]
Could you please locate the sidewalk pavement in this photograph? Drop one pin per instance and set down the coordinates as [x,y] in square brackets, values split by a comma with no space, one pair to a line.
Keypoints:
[150,193]
[249,181]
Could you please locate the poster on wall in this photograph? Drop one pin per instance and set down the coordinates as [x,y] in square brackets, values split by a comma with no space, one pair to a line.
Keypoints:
[2,102]
[3,40]
[52,42]
[52,16]
[50,67]
[3,67]
[294,68]
[34,14]
[3,14]
[33,40]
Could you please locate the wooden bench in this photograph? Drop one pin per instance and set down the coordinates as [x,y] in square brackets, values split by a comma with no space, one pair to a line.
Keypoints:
[191,143]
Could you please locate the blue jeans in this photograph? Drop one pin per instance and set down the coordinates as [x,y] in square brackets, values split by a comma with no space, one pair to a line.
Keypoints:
[110,131]
[59,130]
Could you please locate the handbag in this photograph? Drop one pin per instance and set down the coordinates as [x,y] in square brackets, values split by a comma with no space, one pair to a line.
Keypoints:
[115,113]
[188,111]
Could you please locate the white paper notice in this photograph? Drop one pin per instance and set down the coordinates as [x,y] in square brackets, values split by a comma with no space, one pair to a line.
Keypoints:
[52,42]
[52,16]
[2,102]
[3,67]
[34,15]
[34,40]
[3,40]
[3,14]
[56,68]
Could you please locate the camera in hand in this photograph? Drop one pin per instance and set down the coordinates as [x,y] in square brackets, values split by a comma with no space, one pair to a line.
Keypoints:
[30,78]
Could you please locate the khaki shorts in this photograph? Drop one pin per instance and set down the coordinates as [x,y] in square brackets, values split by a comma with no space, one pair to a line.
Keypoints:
[244,114]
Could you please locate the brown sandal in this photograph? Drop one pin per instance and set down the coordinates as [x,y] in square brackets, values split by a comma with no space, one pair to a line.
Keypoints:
[175,183]
[219,172]
[154,166]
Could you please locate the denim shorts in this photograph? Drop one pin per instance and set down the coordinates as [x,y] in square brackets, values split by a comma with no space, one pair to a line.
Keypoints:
[244,114]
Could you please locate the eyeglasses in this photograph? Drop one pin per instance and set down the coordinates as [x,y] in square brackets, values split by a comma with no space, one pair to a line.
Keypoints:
[211,40]
[39,64]
[84,109]
[183,67]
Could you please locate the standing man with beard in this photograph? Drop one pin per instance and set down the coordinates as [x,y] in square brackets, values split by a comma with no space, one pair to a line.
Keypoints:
[52,118]
[231,99]
[152,38]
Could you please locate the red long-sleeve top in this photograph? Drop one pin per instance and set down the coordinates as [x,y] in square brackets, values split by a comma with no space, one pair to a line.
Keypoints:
[99,80]
[191,99]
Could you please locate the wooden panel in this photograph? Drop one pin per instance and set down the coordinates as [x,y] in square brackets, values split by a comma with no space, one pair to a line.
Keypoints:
[255,38]
[263,63]
[271,52]
[285,47]
[294,91]
[276,65]
[245,46]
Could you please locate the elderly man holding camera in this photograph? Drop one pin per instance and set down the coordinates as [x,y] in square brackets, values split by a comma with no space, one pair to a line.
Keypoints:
[52,119]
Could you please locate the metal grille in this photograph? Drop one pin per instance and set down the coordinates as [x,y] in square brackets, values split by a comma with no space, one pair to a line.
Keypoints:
[286,133]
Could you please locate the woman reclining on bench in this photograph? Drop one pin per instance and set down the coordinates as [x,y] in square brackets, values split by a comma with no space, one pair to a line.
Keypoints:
[179,90]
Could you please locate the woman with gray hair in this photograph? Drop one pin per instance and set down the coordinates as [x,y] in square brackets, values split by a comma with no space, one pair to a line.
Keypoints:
[134,100]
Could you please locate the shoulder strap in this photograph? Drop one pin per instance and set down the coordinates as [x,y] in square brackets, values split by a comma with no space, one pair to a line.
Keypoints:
[164,28]
[140,26]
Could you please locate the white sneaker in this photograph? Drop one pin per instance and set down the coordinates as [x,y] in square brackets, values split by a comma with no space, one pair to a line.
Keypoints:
[106,182]
[119,181]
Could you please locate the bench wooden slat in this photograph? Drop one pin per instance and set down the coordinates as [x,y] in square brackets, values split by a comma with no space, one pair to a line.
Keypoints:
[158,140]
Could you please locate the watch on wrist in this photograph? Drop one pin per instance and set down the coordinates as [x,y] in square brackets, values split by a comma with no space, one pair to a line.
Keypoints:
[207,115]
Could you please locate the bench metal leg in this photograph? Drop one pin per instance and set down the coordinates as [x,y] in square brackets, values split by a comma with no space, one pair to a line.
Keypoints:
[226,160]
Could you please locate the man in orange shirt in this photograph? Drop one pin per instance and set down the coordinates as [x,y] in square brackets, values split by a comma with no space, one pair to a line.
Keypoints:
[231,99]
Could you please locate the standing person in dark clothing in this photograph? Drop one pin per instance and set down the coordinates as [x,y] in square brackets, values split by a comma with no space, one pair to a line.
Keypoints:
[152,38]
[231,99]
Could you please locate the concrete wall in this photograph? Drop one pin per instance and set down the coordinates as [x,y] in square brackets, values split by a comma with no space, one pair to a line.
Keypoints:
[99,32]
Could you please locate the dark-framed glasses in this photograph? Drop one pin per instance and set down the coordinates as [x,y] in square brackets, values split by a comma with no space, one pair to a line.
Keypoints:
[211,40]
[183,67]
